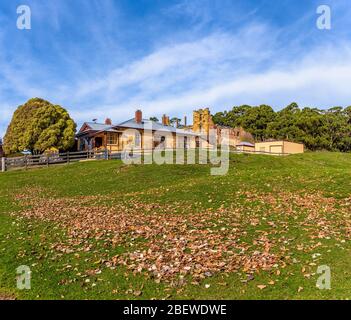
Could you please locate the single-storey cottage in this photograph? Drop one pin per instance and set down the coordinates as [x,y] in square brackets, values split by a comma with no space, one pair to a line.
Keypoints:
[141,133]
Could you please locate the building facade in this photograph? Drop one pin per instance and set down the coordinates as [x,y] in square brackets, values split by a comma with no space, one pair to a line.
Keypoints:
[137,132]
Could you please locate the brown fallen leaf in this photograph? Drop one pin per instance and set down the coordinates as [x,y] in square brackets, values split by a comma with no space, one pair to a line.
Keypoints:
[261,286]
[137,293]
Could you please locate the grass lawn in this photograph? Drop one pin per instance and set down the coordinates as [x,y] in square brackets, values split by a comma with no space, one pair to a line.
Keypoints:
[102,230]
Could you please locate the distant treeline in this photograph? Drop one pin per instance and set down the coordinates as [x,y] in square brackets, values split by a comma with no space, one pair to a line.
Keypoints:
[317,129]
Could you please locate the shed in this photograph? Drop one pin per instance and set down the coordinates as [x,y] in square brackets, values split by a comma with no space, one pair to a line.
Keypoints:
[245,146]
[279,147]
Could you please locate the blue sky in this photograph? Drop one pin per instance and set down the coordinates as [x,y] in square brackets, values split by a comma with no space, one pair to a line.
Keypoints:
[105,58]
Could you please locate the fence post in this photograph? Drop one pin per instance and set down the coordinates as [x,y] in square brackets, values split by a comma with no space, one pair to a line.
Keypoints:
[67,156]
[3,164]
[26,161]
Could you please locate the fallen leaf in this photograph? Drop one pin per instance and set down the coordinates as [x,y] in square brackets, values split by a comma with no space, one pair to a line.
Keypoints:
[261,286]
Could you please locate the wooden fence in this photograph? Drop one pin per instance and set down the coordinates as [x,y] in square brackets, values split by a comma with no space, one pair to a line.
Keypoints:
[260,152]
[47,160]
[52,159]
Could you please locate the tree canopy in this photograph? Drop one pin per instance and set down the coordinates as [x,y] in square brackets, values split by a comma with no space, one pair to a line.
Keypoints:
[155,119]
[39,125]
[175,120]
[318,129]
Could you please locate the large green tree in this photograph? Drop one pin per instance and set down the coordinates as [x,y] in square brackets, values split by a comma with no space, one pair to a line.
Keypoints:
[256,120]
[39,125]
[284,126]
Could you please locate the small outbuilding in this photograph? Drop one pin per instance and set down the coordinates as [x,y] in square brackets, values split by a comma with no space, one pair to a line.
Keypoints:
[245,147]
[279,147]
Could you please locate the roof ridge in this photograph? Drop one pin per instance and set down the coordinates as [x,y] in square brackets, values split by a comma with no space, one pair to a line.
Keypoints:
[119,124]
[99,123]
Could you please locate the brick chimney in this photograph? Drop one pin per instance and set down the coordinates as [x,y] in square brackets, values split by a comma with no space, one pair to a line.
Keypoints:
[138,116]
[108,121]
[165,120]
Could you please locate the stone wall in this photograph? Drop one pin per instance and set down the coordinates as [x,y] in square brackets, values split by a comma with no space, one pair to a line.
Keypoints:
[202,120]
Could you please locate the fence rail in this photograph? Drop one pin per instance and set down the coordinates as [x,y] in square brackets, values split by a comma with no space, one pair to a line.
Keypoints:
[71,157]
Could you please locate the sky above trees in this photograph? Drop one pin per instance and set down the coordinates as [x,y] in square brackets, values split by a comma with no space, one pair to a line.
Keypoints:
[104,58]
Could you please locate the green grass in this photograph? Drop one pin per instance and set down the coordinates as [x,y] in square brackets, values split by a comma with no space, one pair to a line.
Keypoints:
[187,190]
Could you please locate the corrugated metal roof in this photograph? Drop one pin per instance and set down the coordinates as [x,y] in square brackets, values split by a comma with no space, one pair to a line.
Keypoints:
[99,126]
[132,124]
[146,124]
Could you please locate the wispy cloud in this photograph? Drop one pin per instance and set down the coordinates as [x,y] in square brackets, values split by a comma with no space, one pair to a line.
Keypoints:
[193,61]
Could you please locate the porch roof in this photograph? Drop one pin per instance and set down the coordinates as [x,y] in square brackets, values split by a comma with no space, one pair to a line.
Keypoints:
[92,128]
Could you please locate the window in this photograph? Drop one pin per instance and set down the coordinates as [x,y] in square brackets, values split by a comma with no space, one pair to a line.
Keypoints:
[112,138]
[137,139]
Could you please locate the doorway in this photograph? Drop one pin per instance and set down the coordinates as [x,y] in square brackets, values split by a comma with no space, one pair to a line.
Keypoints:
[98,142]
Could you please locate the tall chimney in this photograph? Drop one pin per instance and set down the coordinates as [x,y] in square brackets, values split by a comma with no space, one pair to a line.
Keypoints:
[185,121]
[108,121]
[165,120]
[138,116]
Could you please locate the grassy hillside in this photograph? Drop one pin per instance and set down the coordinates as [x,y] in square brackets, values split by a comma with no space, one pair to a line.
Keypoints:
[106,231]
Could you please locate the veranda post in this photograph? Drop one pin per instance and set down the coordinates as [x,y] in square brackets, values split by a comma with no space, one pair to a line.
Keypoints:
[3,164]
